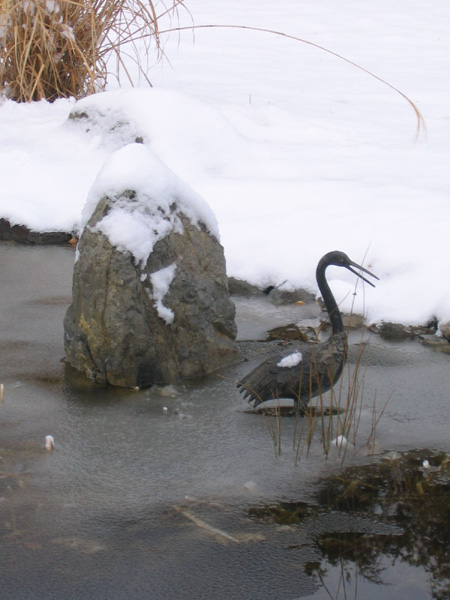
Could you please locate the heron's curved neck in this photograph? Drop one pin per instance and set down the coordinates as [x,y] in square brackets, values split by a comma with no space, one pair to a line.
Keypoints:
[330,303]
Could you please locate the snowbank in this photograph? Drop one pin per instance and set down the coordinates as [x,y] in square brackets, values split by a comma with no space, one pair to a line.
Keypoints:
[296,152]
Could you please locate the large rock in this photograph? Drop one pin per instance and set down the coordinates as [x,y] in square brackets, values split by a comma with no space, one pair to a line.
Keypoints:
[150,296]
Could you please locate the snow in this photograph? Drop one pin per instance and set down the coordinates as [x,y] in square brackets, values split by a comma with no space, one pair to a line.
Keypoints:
[292,360]
[136,224]
[295,151]
[340,442]
[161,281]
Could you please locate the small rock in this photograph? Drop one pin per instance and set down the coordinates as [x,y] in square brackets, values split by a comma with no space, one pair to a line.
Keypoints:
[168,391]
[444,328]
[107,123]
[392,331]
[239,287]
[399,331]
[293,332]
[353,321]
[436,342]
[278,296]
[24,235]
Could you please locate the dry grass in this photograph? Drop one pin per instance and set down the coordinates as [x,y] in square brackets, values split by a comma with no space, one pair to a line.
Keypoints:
[53,49]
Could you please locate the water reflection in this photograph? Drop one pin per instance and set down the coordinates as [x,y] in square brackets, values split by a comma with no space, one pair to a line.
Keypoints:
[409,492]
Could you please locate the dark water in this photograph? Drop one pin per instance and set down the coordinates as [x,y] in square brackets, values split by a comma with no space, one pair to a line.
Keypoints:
[153,493]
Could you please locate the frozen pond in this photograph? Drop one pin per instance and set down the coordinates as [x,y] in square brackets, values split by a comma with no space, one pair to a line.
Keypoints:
[148,494]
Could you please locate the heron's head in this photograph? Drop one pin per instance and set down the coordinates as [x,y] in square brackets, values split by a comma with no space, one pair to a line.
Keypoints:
[340,259]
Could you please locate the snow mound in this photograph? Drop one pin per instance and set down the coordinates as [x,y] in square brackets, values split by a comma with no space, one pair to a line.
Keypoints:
[149,199]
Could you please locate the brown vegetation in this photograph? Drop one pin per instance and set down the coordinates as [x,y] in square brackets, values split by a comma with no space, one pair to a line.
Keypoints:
[53,49]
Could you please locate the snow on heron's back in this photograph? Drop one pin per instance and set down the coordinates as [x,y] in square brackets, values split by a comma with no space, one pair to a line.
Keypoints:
[292,360]
[135,224]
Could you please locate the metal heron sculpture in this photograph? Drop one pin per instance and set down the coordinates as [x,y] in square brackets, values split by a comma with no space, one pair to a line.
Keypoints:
[313,368]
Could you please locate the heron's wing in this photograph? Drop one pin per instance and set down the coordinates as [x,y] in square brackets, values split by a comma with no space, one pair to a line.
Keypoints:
[319,367]
[270,380]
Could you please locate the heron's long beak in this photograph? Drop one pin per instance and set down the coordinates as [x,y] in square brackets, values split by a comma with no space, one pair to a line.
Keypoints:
[358,273]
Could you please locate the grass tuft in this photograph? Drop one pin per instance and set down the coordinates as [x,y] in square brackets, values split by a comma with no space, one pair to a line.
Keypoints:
[53,49]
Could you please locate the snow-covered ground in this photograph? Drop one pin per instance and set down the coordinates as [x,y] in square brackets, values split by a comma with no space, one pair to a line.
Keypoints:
[296,152]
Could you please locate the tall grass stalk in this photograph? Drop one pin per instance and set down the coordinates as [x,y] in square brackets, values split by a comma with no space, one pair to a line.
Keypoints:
[272,421]
[53,49]
[420,121]
[371,441]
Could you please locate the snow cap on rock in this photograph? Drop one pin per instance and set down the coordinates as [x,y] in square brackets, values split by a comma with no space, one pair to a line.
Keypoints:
[158,196]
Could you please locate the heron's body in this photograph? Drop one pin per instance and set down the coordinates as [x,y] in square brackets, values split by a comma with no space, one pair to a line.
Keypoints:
[313,368]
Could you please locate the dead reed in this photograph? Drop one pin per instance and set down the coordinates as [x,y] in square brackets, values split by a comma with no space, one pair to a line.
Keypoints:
[53,49]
